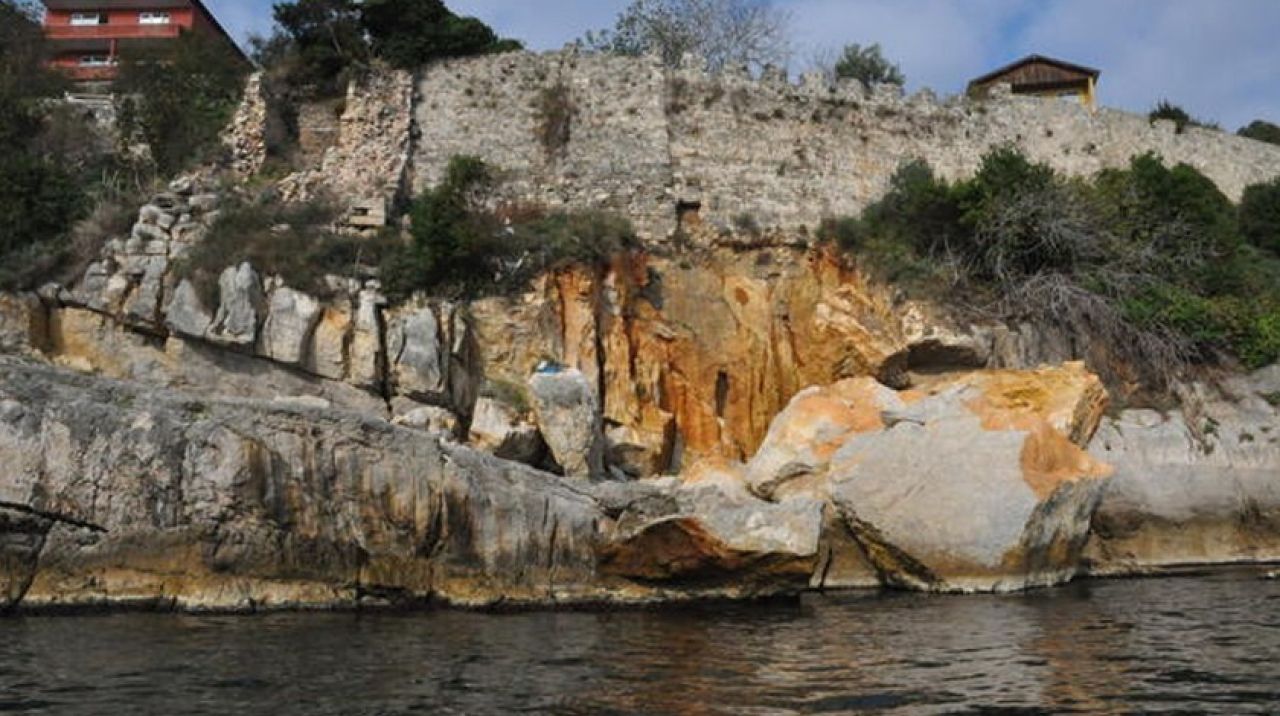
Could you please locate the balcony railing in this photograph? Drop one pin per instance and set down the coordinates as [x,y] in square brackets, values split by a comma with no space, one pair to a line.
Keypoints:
[89,74]
[111,32]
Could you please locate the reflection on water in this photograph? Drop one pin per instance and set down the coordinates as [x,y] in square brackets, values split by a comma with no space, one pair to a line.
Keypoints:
[1197,644]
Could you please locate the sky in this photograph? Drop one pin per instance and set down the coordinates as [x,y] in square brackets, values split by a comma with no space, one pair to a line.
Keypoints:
[1219,59]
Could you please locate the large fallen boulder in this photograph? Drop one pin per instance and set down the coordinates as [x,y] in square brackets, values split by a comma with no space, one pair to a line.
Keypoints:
[979,483]
[1192,490]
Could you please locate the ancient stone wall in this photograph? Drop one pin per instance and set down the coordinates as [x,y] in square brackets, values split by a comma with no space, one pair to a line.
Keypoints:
[643,140]
[564,129]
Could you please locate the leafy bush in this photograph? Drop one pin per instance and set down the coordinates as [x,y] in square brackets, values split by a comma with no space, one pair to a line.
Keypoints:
[555,119]
[296,242]
[1261,130]
[868,66]
[43,184]
[315,46]
[1148,259]
[1179,116]
[461,247]
[1260,215]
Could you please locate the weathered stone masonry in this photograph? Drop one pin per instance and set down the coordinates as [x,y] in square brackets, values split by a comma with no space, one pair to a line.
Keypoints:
[642,140]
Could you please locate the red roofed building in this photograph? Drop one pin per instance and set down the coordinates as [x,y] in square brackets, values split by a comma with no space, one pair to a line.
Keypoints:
[87,35]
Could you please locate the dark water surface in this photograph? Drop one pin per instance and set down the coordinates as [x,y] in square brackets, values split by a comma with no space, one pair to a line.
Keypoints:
[1194,644]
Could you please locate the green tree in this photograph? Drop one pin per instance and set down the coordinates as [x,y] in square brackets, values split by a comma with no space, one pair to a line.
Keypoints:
[316,45]
[411,33]
[1260,215]
[39,194]
[1261,130]
[179,97]
[868,66]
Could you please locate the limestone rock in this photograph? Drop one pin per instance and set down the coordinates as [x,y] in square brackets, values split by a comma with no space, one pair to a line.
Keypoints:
[22,537]
[143,305]
[90,342]
[145,232]
[1197,490]
[170,499]
[291,320]
[499,429]
[252,528]
[367,352]
[242,305]
[431,419]
[813,426]
[418,356]
[186,314]
[716,531]
[23,323]
[977,486]
[328,354]
[568,415]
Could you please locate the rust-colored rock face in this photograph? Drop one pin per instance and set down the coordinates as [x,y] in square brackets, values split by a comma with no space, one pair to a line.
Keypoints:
[696,356]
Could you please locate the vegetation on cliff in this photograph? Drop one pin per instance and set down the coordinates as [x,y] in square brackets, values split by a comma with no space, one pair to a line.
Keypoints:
[462,246]
[298,242]
[460,243]
[867,65]
[1153,260]
[175,99]
[1261,130]
[51,177]
[1179,116]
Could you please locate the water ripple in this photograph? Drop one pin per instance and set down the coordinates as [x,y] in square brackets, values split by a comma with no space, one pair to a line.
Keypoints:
[1208,643]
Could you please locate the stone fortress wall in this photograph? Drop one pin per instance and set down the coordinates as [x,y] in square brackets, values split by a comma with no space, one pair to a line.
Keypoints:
[643,140]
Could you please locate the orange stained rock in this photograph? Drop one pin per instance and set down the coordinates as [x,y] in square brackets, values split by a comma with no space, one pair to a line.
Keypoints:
[1068,397]
[711,346]
[1049,460]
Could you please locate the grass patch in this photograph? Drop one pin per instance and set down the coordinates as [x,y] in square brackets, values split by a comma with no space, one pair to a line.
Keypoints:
[296,242]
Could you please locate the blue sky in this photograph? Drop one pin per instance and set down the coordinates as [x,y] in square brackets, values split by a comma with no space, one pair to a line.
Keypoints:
[1220,59]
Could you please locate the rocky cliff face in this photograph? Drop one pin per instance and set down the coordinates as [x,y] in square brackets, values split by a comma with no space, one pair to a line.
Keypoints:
[743,415]
[1194,487]
[118,493]
[121,494]
[275,449]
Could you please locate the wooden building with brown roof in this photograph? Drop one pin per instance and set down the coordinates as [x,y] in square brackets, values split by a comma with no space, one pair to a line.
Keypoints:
[1043,77]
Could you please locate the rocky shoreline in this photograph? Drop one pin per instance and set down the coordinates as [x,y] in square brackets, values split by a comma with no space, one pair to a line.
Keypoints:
[140,497]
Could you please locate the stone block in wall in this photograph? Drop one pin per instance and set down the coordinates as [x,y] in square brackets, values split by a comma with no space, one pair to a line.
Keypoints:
[143,304]
[240,309]
[186,314]
[417,354]
[23,323]
[327,356]
[367,356]
[291,319]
